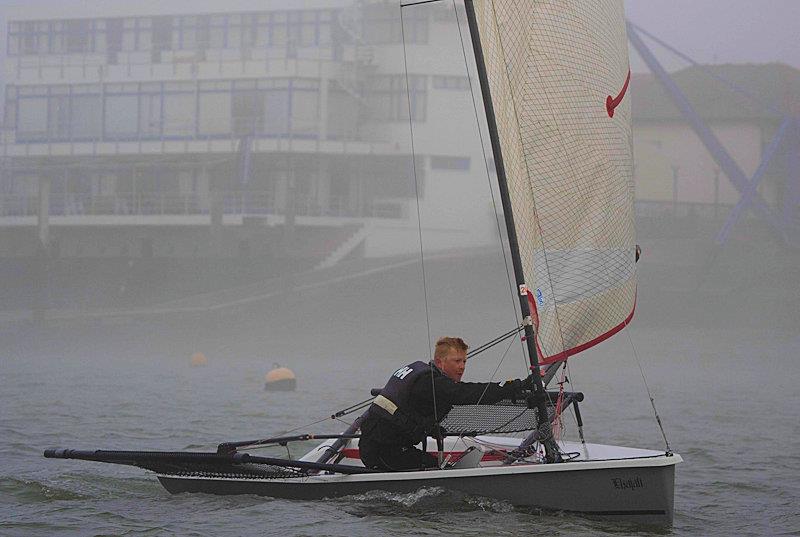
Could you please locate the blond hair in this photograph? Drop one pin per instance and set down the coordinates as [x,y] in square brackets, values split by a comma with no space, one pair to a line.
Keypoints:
[445,344]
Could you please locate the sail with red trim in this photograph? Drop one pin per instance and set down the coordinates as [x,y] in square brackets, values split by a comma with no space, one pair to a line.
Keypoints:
[558,74]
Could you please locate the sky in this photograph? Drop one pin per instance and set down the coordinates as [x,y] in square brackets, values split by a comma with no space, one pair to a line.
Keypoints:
[721,31]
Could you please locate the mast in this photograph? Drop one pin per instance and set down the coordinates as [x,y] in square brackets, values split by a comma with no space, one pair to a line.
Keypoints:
[551,449]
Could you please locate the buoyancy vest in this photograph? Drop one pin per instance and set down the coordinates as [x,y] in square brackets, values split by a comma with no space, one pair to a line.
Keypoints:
[393,402]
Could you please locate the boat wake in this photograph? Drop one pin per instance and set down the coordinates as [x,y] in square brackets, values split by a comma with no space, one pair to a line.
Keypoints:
[423,500]
[31,491]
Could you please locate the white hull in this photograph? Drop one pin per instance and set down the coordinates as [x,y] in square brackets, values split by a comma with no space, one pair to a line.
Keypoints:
[608,481]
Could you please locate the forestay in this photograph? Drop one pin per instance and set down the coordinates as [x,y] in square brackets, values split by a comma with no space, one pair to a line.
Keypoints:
[558,73]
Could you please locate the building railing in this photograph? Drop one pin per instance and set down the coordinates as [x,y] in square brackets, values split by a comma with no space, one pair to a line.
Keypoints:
[177,204]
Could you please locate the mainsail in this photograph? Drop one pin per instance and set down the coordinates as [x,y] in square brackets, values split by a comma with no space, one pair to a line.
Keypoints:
[558,75]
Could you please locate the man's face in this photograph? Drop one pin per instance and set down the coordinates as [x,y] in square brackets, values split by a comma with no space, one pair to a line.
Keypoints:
[453,364]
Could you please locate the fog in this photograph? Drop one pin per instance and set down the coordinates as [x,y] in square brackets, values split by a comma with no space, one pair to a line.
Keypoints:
[206,169]
[252,180]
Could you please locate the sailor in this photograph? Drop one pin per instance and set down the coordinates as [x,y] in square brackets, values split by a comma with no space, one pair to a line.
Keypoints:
[413,402]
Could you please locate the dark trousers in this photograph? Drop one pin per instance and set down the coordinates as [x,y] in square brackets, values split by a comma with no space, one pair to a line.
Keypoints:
[391,458]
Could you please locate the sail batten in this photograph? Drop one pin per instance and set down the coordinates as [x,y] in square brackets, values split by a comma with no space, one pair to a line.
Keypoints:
[558,74]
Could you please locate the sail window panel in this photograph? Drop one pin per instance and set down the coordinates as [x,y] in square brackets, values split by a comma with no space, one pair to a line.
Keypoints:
[87,115]
[179,114]
[215,113]
[32,118]
[121,116]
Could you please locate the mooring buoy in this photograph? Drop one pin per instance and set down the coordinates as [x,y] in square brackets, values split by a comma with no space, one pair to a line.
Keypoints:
[198,359]
[280,379]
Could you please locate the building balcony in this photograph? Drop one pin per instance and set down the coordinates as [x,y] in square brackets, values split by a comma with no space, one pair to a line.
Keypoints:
[23,209]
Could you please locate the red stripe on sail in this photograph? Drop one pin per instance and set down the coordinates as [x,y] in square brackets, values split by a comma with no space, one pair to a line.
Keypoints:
[563,355]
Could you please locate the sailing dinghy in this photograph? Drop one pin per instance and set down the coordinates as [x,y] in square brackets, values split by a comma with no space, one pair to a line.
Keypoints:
[553,78]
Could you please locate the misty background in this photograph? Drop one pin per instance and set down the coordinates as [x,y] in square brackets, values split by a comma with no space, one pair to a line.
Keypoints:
[282,182]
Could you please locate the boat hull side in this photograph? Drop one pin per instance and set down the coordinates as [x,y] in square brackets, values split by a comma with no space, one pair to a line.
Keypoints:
[642,494]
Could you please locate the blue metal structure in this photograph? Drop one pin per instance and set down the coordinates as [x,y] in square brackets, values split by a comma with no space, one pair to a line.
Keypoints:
[785,226]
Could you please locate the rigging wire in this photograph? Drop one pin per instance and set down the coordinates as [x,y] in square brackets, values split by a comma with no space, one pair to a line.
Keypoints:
[419,213]
[647,387]
[499,339]
[511,286]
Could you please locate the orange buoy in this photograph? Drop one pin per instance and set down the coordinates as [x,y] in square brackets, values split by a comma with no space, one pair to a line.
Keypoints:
[280,379]
[198,359]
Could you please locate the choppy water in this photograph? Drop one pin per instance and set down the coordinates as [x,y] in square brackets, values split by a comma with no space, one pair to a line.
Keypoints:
[728,399]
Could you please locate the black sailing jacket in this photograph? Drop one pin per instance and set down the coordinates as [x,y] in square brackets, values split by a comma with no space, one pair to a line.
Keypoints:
[418,410]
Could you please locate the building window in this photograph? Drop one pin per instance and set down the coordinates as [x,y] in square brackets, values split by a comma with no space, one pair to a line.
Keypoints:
[78,36]
[179,109]
[217,31]
[214,110]
[389,98]
[32,118]
[114,35]
[276,110]
[150,111]
[58,127]
[305,108]
[86,115]
[450,82]
[162,33]
[121,112]
[248,111]
[343,114]
[382,25]
[450,163]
